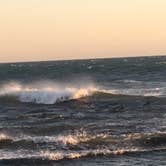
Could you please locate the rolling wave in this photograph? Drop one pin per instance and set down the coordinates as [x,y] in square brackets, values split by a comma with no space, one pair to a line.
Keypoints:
[78,145]
[43,93]
[57,155]
[83,139]
[60,155]
[49,93]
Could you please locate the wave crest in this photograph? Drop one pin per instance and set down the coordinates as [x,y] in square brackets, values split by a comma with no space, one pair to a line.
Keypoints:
[84,145]
[45,93]
[4,137]
[51,93]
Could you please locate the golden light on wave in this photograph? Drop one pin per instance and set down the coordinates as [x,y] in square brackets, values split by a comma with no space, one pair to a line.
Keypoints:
[52,155]
[45,93]
[84,92]
[4,137]
[81,93]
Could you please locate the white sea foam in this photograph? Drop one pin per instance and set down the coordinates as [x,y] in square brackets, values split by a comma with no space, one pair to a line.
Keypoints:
[50,93]
[18,154]
[70,139]
[46,93]
[65,140]
[74,140]
[59,155]
[137,92]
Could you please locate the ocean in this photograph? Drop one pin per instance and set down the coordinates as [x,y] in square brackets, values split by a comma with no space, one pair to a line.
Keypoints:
[83,112]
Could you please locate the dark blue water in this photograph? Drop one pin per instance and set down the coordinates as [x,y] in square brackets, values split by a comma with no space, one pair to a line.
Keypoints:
[85,112]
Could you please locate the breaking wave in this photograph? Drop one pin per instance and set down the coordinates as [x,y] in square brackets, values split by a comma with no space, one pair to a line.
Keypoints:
[51,93]
[82,145]
[65,140]
[45,93]
[60,155]
[84,138]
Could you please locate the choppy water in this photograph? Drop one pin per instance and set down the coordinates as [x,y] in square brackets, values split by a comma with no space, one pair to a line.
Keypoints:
[87,112]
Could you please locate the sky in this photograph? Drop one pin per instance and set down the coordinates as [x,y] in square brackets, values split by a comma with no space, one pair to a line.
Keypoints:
[37,30]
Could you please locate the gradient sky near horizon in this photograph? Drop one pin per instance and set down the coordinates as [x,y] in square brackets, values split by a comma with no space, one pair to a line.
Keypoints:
[32,30]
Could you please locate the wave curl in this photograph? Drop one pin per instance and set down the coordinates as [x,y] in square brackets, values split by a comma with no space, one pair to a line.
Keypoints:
[45,93]
[51,93]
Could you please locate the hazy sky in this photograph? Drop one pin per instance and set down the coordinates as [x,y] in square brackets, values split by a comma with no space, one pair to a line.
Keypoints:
[65,29]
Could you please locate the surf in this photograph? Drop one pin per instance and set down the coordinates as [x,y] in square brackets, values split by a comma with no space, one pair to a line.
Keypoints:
[44,93]
[51,92]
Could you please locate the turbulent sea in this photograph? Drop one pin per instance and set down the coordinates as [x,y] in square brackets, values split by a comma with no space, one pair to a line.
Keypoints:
[83,112]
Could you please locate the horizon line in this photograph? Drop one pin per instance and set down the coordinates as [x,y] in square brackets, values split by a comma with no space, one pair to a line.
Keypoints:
[77,59]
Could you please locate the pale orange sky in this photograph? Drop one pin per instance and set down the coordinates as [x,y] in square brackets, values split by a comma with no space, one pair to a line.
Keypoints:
[33,30]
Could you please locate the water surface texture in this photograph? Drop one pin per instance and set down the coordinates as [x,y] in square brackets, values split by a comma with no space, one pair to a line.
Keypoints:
[85,112]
